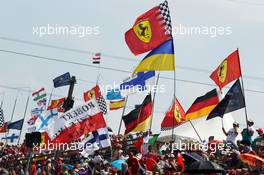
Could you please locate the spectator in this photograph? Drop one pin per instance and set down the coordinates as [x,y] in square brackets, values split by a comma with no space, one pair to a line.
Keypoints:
[231,135]
[247,134]
[133,163]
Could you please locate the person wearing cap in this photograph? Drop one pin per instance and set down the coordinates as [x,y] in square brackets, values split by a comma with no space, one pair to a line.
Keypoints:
[257,141]
[231,135]
[247,135]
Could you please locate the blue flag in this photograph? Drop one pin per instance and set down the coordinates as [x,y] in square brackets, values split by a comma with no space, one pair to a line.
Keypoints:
[138,80]
[16,125]
[233,100]
[113,94]
[62,80]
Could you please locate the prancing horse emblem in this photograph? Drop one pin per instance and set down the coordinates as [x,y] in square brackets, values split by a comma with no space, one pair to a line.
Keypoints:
[222,71]
[143,31]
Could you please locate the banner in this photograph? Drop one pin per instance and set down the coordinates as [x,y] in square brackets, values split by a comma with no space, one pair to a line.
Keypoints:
[72,117]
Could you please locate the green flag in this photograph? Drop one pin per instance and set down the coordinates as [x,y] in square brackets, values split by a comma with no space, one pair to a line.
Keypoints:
[153,139]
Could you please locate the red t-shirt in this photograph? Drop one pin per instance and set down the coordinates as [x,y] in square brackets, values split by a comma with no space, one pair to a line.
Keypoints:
[133,163]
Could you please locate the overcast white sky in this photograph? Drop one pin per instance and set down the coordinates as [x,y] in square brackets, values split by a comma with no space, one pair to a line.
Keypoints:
[113,18]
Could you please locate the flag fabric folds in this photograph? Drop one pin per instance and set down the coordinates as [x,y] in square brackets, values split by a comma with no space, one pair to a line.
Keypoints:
[227,71]
[161,58]
[95,92]
[11,137]
[97,58]
[57,104]
[43,122]
[117,104]
[76,122]
[233,100]
[39,95]
[149,30]
[153,139]
[2,119]
[113,94]
[139,119]
[32,120]
[62,80]
[16,125]
[203,105]
[96,140]
[174,116]
[3,129]
[138,81]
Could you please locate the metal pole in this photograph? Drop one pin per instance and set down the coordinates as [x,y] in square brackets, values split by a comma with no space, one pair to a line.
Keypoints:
[28,161]
[14,107]
[50,98]
[154,95]
[242,83]
[98,72]
[195,130]
[2,100]
[123,112]
[174,96]
[25,113]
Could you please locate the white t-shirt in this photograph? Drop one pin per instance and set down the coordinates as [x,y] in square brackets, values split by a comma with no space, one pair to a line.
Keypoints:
[232,135]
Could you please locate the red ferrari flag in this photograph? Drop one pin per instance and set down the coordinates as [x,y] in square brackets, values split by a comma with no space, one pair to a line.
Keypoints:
[93,93]
[227,71]
[174,116]
[150,30]
[57,104]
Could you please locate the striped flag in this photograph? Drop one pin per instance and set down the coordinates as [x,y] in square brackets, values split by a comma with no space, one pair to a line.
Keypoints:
[203,105]
[38,95]
[97,58]
[117,104]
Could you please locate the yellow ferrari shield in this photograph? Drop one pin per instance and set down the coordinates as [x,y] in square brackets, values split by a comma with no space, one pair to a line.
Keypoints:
[177,114]
[143,31]
[91,94]
[222,71]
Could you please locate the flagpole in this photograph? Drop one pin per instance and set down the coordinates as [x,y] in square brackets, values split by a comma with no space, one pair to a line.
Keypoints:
[174,96]
[154,95]
[195,130]
[123,112]
[1,108]
[25,113]
[51,93]
[242,83]
[98,72]
[14,107]
[2,101]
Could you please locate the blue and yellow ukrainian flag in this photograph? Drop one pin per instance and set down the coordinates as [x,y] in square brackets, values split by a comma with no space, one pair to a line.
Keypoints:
[161,58]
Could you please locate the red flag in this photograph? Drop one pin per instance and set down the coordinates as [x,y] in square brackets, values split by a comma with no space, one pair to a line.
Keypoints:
[4,128]
[138,144]
[93,93]
[174,116]
[150,30]
[57,104]
[75,131]
[227,71]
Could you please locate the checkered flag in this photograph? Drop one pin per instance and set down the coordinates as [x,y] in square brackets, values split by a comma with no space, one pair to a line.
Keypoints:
[102,104]
[2,121]
[165,12]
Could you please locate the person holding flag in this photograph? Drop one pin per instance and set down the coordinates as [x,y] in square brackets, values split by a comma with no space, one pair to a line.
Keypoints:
[231,135]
